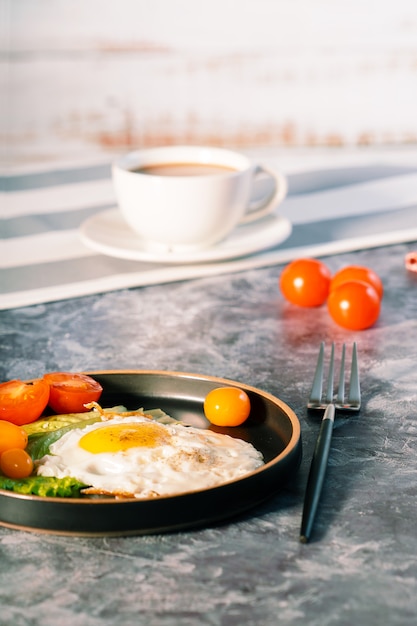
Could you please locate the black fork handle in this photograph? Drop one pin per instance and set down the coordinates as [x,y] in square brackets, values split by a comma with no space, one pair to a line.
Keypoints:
[317,473]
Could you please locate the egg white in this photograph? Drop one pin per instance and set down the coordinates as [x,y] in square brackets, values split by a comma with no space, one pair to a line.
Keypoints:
[179,459]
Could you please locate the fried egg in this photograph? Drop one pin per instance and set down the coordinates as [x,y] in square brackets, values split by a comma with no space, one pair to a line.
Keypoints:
[139,457]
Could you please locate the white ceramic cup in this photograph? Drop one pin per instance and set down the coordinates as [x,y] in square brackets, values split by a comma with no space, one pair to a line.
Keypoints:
[181,213]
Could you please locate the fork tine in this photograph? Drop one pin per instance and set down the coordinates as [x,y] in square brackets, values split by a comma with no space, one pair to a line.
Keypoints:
[315,395]
[354,385]
[353,402]
[329,395]
[341,389]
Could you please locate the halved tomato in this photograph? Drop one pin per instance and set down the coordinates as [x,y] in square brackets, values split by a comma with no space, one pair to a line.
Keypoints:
[70,392]
[23,402]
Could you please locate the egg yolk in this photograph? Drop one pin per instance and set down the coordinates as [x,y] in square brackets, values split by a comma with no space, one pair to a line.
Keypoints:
[120,437]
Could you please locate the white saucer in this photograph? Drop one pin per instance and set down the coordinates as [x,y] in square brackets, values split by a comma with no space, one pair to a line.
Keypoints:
[108,233]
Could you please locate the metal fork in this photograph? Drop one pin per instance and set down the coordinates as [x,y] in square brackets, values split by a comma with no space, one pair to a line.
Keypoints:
[321,452]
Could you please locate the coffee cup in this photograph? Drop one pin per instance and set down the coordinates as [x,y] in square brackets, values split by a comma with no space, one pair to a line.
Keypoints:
[185,198]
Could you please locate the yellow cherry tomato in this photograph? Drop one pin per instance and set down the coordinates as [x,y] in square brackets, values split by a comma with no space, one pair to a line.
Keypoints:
[16,463]
[227,406]
[11,436]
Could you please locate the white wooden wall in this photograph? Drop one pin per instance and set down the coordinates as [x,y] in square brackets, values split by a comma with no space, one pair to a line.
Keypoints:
[82,76]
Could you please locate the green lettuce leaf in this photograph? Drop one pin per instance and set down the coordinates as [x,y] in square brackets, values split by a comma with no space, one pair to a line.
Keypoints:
[45,486]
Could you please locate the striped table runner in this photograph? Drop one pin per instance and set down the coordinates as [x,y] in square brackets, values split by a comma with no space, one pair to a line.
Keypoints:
[43,259]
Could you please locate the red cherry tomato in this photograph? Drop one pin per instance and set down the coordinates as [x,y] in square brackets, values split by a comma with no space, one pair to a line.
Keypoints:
[70,392]
[22,403]
[354,305]
[358,272]
[227,406]
[11,436]
[16,463]
[305,282]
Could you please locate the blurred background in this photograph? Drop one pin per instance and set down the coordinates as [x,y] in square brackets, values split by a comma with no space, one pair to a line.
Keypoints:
[81,78]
